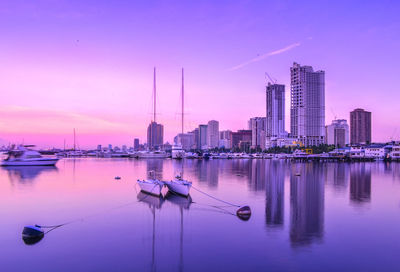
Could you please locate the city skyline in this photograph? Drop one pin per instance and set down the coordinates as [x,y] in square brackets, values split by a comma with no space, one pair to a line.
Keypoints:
[98,78]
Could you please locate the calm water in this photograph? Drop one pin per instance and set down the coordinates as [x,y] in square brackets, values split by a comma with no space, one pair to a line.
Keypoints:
[333,217]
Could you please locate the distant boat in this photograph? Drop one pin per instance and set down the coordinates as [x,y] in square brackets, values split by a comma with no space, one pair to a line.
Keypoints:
[158,154]
[177,152]
[22,156]
[152,185]
[179,186]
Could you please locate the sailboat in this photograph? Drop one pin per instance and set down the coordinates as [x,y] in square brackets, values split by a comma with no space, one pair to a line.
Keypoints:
[152,185]
[180,185]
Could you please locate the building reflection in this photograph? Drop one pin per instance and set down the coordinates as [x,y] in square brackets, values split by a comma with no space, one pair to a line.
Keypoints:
[257,174]
[337,175]
[274,187]
[307,204]
[154,168]
[208,172]
[360,183]
[27,174]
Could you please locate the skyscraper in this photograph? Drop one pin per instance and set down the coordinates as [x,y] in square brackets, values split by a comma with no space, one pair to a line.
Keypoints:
[136,144]
[307,109]
[155,135]
[225,139]
[337,133]
[202,144]
[257,127]
[275,117]
[360,127]
[212,134]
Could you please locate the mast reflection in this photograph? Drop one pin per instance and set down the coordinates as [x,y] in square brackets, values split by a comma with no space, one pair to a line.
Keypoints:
[307,204]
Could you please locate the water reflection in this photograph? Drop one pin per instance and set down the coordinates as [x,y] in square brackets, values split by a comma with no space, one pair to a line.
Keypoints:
[26,174]
[154,167]
[208,172]
[360,183]
[307,204]
[257,174]
[274,203]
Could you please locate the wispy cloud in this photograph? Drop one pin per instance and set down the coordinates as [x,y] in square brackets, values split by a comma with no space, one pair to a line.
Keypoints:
[264,56]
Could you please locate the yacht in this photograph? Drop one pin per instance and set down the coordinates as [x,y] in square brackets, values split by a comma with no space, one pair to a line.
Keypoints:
[158,154]
[177,152]
[22,156]
[179,186]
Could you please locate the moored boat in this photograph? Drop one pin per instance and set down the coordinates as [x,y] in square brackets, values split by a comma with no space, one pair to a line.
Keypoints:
[22,156]
[179,186]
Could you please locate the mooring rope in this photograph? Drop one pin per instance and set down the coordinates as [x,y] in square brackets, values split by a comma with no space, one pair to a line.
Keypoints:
[213,197]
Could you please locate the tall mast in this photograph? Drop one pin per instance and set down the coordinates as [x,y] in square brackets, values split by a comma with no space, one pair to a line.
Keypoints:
[74,139]
[154,96]
[183,100]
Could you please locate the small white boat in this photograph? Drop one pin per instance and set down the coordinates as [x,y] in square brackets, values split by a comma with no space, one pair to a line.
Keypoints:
[179,186]
[152,185]
[22,156]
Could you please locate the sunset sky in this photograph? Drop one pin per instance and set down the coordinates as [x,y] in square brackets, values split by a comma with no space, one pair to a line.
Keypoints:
[89,64]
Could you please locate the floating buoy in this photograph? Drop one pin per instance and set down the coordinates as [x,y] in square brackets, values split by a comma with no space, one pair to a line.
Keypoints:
[32,234]
[297,174]
[117,177]
[244,213]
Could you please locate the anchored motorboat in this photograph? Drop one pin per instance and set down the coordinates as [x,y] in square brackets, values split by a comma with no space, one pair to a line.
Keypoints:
[22,156]
[151,185]
[179,185]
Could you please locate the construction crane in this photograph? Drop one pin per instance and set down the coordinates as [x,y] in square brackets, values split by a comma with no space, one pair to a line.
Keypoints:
[274,81]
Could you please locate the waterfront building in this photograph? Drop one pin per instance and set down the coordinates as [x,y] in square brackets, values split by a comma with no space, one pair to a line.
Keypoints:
[186,140]
[136,144]
[241,137]
[155,135]
[275,110]
[337,133]
[307,108]
[257,127]
[196,133]
[360,127]
[225,139]
[202,143]
[99,147]
[212,134]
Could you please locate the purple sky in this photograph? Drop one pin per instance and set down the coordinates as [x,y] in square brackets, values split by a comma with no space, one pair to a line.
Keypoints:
[88,64]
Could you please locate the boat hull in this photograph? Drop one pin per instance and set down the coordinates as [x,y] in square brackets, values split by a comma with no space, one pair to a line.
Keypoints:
[179,187]
[44,162]
[150,187]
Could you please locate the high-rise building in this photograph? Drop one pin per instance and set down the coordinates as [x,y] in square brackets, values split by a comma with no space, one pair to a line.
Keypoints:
[186,140]
[225,139]
[196,134]
[337,133]
[202,144]
[360,127]
[155,135]
[307,109]
[241,137]
[257,126]
[275,117]
[136,144]
[212,134]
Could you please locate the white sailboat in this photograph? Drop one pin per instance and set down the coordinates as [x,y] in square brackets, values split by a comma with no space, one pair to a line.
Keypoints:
[179,185]
[152,185]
